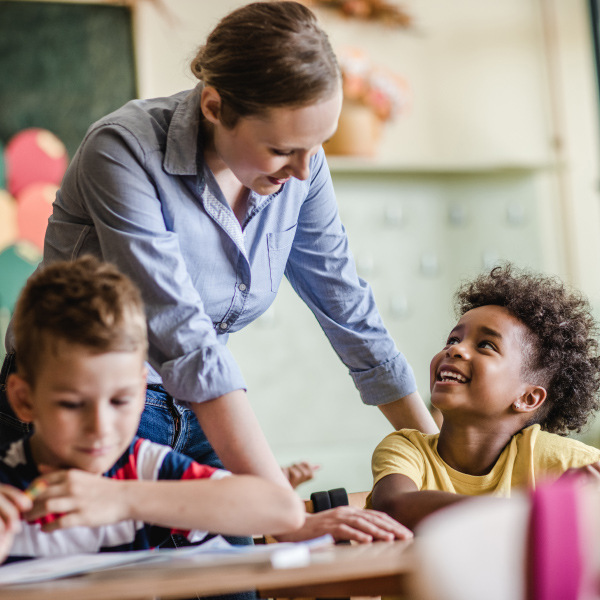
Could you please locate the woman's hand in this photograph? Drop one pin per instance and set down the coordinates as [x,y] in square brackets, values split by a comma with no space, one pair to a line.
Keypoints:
[349,523]
[80,499]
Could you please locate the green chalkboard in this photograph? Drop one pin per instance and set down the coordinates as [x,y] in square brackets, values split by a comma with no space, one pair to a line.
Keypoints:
[62,66]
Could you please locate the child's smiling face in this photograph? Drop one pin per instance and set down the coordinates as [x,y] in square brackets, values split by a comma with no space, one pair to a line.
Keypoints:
[480,370]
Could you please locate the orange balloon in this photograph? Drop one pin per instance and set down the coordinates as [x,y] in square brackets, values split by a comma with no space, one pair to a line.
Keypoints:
[34,207]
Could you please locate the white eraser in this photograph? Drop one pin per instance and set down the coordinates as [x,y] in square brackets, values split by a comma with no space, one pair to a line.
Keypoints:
[288,558]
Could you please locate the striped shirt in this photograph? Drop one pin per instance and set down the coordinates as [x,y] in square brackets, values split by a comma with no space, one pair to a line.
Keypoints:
[143,460]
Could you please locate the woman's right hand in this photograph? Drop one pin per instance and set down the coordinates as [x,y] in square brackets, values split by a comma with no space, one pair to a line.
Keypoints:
[349,523]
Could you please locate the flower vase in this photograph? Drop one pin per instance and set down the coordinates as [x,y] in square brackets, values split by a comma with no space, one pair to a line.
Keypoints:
[358,133]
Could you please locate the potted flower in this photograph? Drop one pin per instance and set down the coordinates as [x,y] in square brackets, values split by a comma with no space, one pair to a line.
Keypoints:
[369,10]
[373,95]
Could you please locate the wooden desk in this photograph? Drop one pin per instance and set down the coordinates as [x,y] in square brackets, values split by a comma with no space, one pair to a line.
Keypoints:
[334,571]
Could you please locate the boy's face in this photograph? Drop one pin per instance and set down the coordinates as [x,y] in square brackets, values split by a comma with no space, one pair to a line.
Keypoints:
[479,372]
[85,407]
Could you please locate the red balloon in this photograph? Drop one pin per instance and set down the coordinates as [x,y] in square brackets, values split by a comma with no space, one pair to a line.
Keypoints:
[34,156]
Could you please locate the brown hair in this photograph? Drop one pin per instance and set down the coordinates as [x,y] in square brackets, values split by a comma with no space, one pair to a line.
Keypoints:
[562,353]
[84,302]
[265,55]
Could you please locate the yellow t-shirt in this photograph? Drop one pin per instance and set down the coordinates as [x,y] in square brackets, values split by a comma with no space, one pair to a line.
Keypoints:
[531,456]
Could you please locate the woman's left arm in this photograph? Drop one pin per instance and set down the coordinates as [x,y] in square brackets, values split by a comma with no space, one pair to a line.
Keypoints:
[409,412]
[235,434]
[322,271]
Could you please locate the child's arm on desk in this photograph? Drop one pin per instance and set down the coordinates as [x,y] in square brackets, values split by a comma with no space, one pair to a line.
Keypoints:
[236,505]
[398,496]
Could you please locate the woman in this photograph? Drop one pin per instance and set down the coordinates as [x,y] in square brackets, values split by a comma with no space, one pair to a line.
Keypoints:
[205,199]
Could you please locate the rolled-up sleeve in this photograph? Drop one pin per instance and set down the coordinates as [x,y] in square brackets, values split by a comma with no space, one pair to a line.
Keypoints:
[111,178]
[322,271]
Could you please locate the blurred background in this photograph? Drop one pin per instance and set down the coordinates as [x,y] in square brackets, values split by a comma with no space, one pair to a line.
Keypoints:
[469,135]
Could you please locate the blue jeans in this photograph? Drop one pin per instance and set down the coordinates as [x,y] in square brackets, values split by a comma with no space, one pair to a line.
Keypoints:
[163,421]
[167,422]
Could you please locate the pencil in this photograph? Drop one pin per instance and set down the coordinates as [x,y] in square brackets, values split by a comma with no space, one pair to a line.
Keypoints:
[36,488]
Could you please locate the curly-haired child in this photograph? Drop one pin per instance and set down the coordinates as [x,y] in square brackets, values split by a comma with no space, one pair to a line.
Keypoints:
[519,370]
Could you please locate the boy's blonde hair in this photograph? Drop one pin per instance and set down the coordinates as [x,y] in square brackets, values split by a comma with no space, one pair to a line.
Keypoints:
[83,302]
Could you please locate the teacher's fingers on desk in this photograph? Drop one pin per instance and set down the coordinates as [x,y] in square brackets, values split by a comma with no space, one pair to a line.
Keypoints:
[359,525]
[378,524]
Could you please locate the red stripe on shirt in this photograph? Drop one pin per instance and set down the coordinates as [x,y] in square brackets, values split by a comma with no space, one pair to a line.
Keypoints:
[198,471]
[129,469]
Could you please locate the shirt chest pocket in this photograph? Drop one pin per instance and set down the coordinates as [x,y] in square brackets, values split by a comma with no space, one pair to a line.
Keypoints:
[279,244]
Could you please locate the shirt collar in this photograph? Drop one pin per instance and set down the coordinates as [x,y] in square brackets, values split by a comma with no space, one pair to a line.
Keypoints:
[182,137]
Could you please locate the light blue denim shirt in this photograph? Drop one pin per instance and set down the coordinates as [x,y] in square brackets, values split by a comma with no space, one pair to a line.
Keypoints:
[137,194]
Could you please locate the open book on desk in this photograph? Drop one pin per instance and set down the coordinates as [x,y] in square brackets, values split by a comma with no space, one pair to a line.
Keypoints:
[216,551]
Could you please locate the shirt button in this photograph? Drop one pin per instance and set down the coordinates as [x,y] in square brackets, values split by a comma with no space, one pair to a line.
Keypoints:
[223,325]
[242,287]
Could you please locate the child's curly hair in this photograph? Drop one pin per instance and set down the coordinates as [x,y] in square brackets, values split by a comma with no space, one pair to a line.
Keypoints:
[564,356]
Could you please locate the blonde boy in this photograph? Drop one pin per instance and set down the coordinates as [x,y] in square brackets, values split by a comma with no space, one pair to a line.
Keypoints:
[91,484]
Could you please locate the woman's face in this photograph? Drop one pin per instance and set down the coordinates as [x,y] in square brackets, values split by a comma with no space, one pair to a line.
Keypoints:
[263,152]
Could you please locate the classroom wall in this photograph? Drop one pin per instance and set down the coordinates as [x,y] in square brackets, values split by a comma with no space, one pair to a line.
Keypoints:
[496,159]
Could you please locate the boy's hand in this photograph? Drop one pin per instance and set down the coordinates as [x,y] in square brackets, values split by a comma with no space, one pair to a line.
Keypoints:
[299,473]
[13,503]
[350,523]
[80,499]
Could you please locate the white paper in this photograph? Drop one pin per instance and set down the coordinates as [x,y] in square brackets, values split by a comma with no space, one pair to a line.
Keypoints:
[215,551]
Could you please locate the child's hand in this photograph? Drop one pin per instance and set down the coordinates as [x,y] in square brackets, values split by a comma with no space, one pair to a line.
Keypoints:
[79,499]
[300,472]
[13,503]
